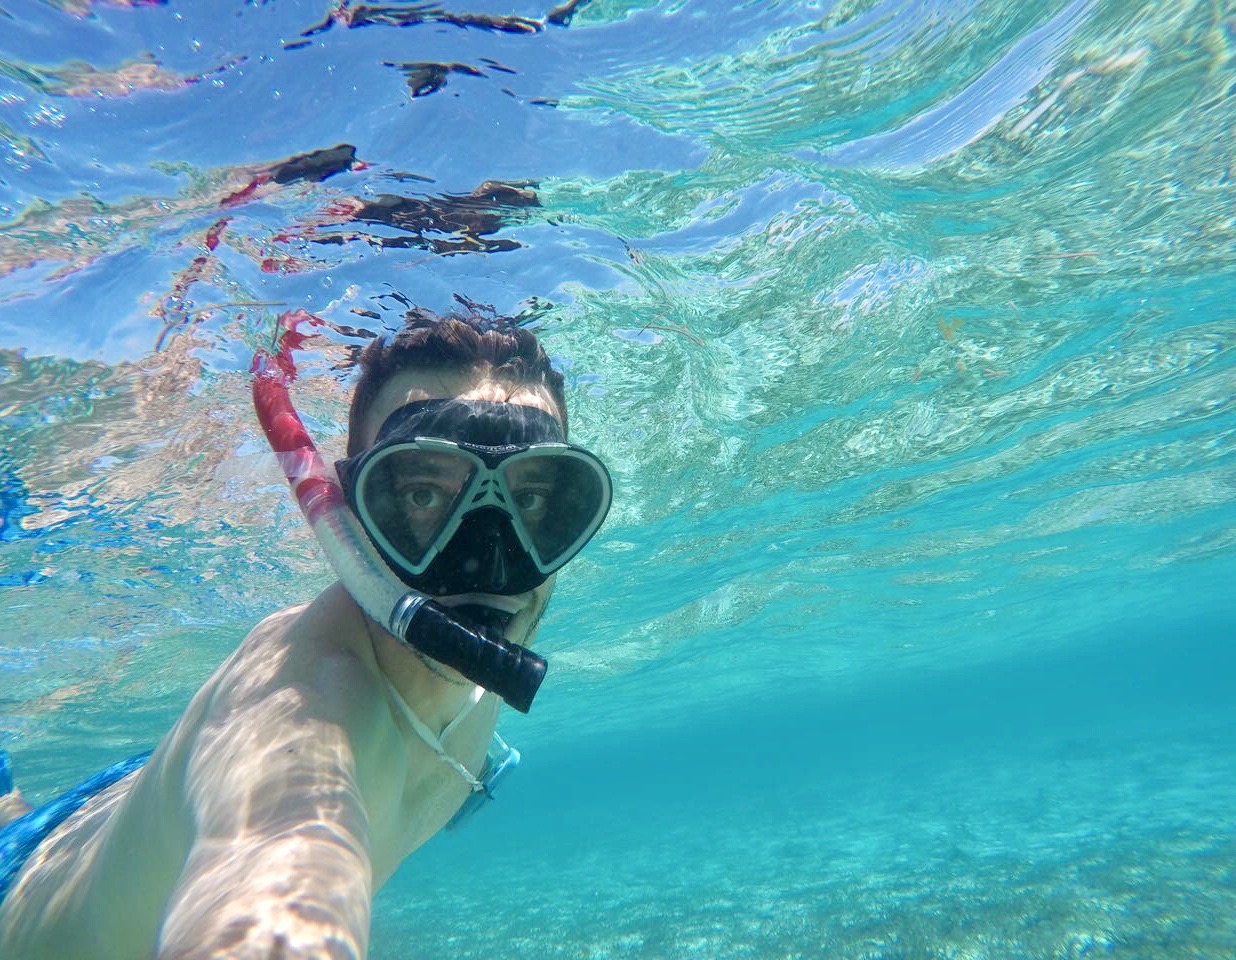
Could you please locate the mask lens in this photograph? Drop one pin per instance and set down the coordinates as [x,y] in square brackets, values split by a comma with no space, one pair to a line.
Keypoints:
[410,495]
[560,501]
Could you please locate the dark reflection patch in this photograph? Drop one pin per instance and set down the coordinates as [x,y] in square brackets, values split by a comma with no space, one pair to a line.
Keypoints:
[426,78]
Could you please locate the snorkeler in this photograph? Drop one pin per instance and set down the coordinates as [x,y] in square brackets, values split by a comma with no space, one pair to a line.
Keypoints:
[330,744]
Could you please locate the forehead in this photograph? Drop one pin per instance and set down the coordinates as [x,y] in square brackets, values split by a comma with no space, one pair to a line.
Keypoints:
[414,384]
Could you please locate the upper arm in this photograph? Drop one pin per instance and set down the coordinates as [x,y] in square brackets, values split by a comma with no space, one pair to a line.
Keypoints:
[280,856]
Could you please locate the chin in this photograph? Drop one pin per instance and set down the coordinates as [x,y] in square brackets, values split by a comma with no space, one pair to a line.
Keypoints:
[522,628]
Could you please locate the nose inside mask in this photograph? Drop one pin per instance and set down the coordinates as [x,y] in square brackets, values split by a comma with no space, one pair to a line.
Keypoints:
[484,556]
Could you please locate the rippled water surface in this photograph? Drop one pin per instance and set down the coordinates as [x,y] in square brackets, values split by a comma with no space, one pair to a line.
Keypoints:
[906,329]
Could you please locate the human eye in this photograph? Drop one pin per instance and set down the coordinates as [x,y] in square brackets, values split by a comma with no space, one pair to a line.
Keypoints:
[528,500]
[421,496]
[532,498]
[425,497]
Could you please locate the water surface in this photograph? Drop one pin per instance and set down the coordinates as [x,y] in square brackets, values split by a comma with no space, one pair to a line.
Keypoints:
[905,327]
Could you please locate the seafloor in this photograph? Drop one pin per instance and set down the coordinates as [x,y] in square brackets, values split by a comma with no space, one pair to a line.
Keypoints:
[1107,845]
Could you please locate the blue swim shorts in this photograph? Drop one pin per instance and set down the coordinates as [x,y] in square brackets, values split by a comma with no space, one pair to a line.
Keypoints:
[20,837]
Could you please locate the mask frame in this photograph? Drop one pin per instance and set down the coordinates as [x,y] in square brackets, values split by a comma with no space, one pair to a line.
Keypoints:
[487,486]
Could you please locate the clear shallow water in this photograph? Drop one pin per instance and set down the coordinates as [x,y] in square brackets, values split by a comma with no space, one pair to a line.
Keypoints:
[906,329]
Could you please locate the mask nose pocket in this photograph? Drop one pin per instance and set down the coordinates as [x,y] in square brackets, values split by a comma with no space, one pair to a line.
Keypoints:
[492,573]
[483,556]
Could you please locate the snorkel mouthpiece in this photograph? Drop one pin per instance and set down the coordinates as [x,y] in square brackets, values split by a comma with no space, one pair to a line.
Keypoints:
[482,655]
[512,672]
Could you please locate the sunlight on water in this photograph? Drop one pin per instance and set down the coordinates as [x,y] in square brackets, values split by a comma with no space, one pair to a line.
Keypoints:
[905,328]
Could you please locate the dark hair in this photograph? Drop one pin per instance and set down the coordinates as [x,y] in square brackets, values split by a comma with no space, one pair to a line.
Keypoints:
[474,341]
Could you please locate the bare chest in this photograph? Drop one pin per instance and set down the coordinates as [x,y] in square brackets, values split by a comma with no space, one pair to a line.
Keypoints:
[424,787]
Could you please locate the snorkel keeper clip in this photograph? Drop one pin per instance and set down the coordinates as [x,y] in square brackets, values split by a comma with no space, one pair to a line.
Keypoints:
[512,672]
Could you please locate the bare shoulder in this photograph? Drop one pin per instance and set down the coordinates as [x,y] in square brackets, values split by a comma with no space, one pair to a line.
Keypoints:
[321,648]
[296,699]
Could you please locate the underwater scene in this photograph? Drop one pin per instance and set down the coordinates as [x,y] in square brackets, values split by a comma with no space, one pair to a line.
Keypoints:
[907,331]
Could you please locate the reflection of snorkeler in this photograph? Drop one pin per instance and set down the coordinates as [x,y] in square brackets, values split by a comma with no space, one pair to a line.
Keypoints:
[451,223]
[445,224]
[325,750]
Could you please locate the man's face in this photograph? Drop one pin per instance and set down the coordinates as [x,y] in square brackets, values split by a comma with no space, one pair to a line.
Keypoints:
[409,386]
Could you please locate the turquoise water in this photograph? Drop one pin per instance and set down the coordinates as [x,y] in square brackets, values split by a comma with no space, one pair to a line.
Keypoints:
[906,328]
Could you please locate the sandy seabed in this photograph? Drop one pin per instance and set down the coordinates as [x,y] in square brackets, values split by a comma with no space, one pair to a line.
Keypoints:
[1073,850]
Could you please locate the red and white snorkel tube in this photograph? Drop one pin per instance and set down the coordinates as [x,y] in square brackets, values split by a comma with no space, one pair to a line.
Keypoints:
[512,672]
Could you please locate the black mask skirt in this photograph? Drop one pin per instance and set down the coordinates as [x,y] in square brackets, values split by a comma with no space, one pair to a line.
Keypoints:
[472,496]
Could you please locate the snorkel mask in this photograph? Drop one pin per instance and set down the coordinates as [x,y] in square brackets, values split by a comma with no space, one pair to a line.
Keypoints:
[437,554]
[471,496]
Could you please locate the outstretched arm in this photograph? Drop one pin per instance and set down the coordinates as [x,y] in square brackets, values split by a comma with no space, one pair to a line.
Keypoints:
[279,866]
